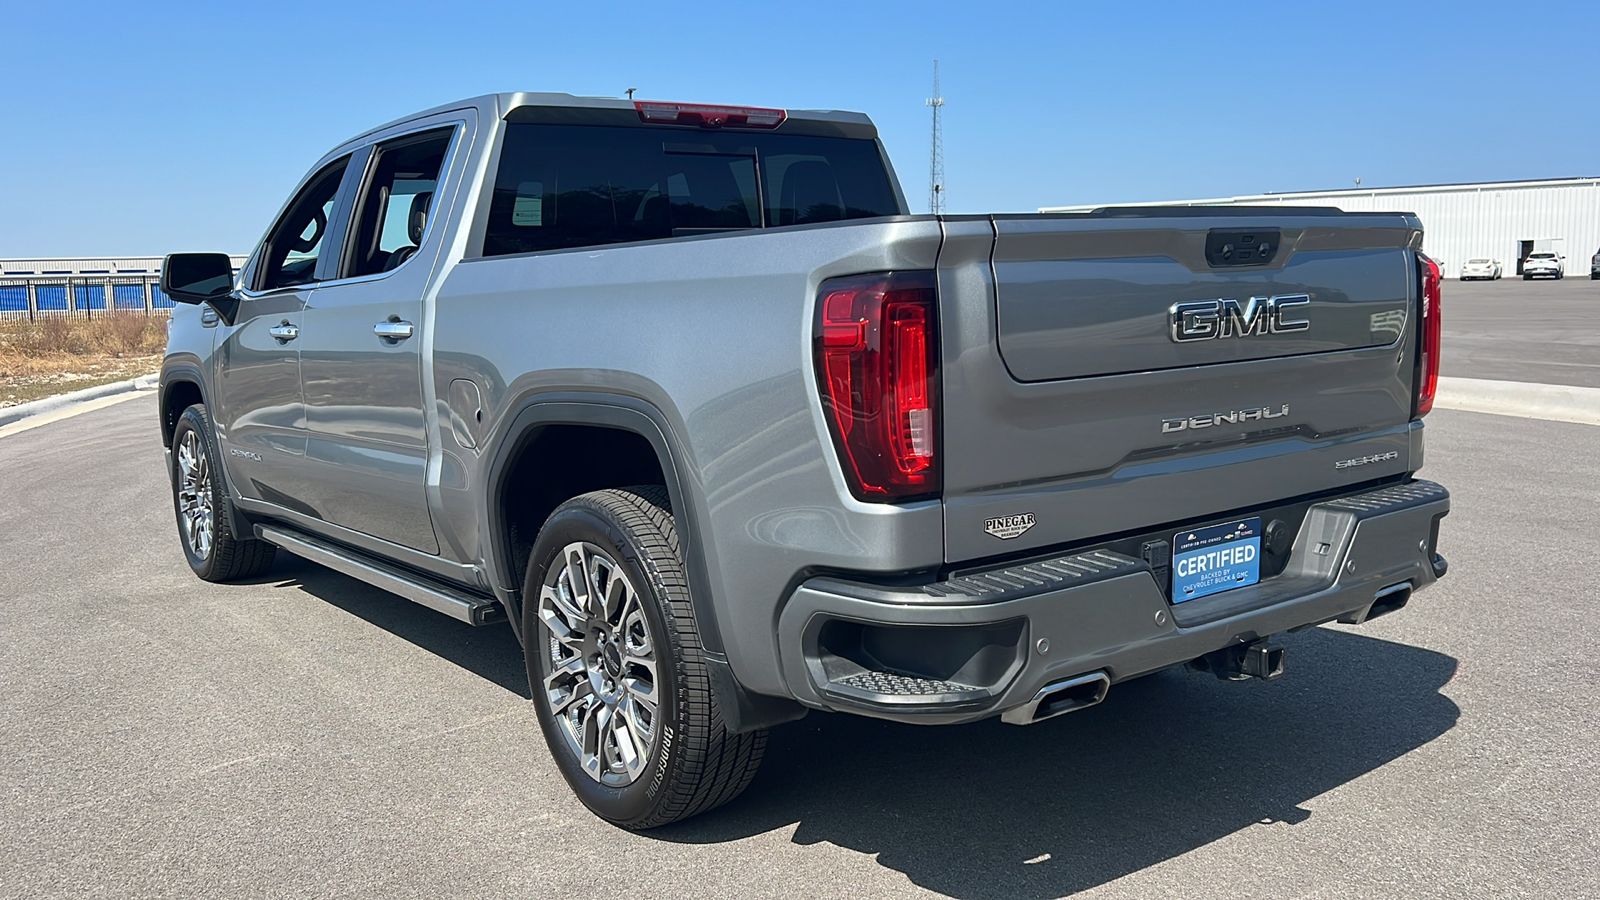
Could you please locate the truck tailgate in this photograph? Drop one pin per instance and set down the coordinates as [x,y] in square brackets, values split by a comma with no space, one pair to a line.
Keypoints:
[1107,374]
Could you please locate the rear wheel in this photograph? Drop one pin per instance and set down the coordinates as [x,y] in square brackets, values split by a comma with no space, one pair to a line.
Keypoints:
[616,665]
[204,510]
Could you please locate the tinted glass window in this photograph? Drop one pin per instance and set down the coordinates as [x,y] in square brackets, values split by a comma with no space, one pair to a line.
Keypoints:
[396,202]
[296,242]
[577,186]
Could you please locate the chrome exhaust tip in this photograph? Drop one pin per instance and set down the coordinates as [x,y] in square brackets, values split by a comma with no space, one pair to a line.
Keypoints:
[1060,698]
[1391,599]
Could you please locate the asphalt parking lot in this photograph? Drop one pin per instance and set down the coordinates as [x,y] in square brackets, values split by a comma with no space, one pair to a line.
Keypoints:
[1514,330]
[307,735]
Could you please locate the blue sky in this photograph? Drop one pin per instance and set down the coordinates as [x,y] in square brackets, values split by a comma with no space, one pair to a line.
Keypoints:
[149,128]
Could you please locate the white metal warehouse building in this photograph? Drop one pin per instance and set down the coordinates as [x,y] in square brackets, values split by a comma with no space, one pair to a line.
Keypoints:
[1502,220]
[86,287]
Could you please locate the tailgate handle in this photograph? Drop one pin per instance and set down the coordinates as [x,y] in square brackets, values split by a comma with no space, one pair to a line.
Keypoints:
[1241,246]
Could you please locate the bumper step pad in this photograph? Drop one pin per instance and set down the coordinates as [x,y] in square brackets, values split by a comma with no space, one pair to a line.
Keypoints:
[888,683]
[1034,577]
[1392,499]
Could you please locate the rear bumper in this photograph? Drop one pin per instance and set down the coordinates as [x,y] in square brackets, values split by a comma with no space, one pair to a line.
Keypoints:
[979,645]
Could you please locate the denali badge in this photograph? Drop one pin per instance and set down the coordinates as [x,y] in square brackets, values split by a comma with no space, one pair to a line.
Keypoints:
[1232,417]
[1203,320]
[1363,460]
[1007,527]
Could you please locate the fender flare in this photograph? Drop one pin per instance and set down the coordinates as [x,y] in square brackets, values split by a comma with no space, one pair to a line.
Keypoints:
[187,372]
[179,372]
[741,710]
[603,410]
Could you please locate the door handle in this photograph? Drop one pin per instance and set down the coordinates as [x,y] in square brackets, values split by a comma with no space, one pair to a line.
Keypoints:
[393,331]
[285,332]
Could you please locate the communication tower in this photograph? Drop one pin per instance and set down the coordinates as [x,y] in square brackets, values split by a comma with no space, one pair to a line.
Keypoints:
[936,164]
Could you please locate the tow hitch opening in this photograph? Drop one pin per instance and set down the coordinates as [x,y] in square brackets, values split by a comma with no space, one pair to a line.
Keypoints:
[1242,662]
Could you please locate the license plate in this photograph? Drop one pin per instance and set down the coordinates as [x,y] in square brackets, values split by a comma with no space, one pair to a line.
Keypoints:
[1218,558]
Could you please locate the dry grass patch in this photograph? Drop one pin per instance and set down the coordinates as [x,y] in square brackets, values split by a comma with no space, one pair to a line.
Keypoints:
[56,355]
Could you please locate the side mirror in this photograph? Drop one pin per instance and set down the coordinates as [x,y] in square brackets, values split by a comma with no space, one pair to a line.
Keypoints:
[201,278]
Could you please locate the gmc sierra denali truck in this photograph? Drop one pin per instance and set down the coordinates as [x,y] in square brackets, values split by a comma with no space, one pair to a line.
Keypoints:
[684,395]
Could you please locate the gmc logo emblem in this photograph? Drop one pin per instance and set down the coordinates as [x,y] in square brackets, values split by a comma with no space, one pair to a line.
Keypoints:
[1204,320]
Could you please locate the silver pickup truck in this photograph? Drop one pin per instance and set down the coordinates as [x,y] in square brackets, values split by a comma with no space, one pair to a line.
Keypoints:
[684,395]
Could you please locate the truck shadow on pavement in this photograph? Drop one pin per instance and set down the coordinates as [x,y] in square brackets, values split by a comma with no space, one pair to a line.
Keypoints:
[1165,765]
[491,651]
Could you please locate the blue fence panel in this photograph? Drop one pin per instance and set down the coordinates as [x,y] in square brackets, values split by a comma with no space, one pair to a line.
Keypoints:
[128,296]
[90,296]
[14,298]
[159,300]
[51,297]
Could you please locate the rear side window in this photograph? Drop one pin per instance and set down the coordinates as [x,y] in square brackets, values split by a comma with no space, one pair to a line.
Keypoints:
[563,186]
[396,201]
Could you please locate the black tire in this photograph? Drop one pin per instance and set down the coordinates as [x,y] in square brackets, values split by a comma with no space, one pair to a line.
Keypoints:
[1527,278]
[693,763]
[228,556]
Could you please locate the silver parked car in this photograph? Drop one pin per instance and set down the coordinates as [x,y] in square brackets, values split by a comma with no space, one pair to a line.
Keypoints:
[1546,265]
[687,399]
[1486,269]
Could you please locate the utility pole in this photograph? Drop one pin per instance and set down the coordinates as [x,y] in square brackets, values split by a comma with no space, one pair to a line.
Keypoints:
[936,164]
[630,92]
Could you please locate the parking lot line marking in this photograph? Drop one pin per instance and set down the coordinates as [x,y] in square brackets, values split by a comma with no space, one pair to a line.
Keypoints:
[68,412]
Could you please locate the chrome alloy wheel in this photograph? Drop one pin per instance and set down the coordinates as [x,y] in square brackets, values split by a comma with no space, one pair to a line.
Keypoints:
[194,495]
[602,677]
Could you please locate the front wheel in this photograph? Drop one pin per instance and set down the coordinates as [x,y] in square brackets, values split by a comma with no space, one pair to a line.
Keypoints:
[617,668]
[205,514]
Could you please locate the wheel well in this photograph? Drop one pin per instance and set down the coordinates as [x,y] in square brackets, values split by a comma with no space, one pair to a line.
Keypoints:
[180,396]
[559,462]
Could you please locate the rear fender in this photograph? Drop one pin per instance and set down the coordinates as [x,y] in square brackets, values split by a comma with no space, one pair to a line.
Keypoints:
[741,710]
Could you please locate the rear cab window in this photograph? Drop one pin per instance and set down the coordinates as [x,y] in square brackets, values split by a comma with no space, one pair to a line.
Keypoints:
[565,186]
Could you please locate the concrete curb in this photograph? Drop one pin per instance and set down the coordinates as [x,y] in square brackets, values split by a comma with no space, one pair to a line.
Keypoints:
[51,404]
[1555,402]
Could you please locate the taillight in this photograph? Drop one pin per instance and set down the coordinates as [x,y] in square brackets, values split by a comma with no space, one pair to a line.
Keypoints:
[1428,364]
[709,116]
[876,345]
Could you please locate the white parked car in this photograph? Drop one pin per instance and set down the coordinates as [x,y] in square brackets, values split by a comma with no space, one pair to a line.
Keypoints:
[1481,268]
[1543,264]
